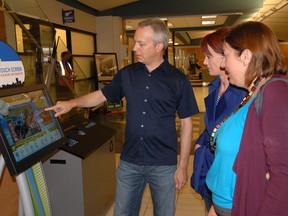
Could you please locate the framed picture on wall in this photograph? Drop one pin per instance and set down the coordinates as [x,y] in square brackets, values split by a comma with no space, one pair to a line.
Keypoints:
[106,66]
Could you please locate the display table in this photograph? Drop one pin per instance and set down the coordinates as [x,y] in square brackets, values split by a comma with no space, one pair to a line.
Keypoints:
[81,178]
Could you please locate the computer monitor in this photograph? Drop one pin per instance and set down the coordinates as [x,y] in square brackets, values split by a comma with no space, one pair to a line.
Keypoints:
[28,133]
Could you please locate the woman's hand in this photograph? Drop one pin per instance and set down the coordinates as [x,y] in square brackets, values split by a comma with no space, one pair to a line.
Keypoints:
[196,146]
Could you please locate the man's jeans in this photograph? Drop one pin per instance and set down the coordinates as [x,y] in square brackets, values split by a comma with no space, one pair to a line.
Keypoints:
[131,182]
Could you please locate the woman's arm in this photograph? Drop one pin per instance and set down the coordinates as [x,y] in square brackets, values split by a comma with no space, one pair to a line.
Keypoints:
[273,121]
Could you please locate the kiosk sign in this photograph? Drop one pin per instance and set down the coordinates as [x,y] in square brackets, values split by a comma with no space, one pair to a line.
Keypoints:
[11,67]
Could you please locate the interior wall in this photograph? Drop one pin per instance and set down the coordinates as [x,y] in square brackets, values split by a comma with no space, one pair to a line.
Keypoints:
[2,26]
[110,37]
[284,48]
[53,10]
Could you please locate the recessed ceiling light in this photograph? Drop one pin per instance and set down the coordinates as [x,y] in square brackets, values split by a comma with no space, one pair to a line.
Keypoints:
[209,17]
[208,22]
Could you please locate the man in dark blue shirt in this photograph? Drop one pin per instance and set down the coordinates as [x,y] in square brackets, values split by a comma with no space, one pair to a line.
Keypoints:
[155,92]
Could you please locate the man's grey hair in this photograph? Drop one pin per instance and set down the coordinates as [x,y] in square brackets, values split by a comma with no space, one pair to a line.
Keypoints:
[160,30]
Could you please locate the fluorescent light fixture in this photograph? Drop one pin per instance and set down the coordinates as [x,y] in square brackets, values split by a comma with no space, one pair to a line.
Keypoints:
[209,17]
[208,22]
[271,11]
[164,19]
[169,24]
[268,13]
[259,19]
[129,27]
[281,4]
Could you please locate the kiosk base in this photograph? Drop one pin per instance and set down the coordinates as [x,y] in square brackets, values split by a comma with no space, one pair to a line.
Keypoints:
[83,185]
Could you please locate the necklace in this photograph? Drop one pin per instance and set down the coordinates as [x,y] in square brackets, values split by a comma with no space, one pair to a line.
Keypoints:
[243,102]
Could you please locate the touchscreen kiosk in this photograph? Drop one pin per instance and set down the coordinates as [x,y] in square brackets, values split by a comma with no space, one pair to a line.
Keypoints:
[27,132]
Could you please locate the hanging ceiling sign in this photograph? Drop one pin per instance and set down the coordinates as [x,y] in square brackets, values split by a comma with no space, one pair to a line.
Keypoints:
[68,16]
[12,72]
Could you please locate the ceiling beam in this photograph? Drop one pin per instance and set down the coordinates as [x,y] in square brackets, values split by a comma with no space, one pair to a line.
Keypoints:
[162,8]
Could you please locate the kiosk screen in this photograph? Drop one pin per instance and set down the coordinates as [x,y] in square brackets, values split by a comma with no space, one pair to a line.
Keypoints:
[28,132]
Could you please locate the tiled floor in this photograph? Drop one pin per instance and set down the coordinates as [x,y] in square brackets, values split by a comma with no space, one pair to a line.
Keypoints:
[187,201]
[200,94]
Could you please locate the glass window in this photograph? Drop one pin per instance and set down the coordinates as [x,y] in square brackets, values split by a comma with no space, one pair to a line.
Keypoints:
[82,44]
[83,67]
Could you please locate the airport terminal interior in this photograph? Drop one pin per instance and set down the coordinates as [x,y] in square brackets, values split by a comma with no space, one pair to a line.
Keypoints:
[80,175]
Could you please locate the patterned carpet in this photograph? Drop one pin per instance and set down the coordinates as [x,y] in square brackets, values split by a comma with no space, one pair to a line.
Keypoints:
[117,120]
